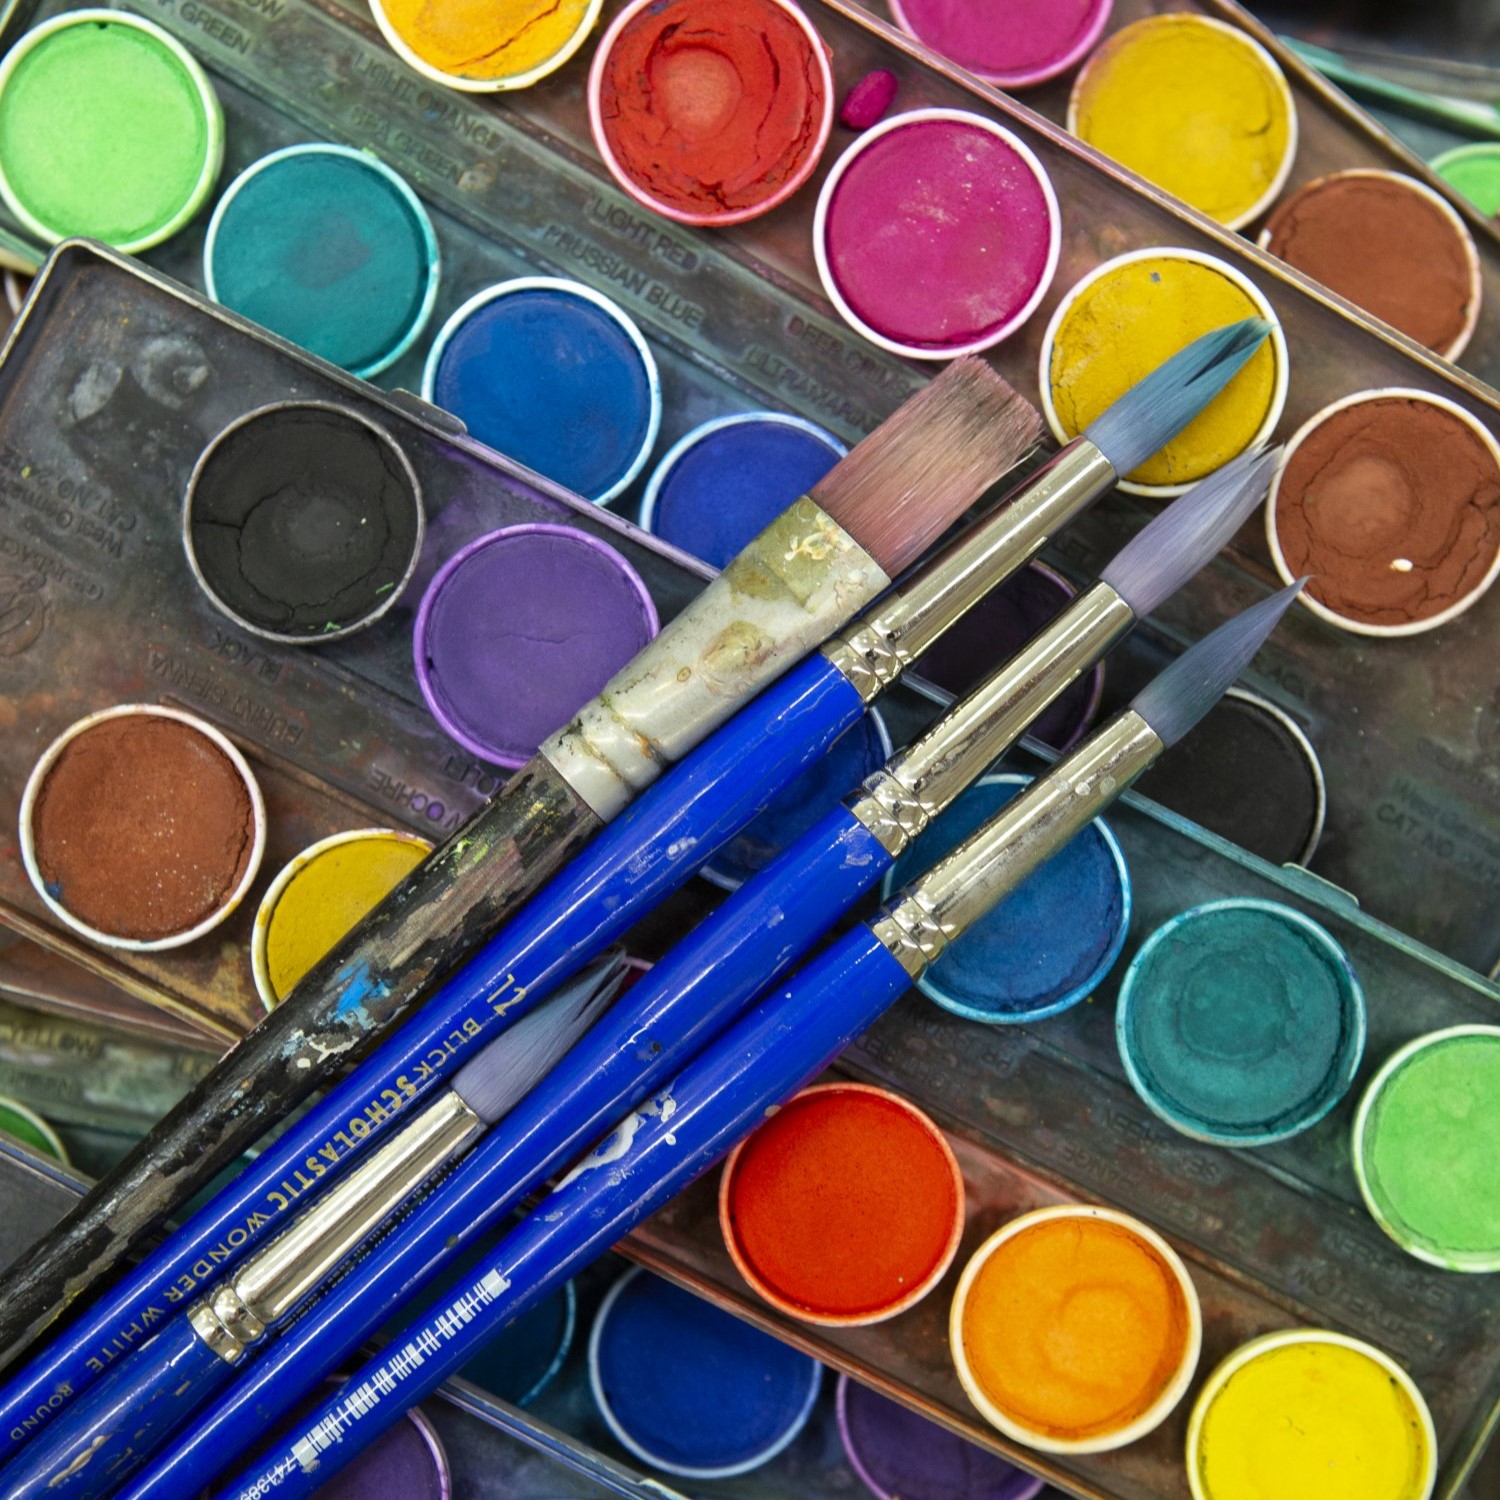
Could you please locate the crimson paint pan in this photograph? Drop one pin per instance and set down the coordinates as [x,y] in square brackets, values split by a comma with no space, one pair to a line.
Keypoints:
[1017,45]
[142,827]
[303,522]
[520,629]
[994,631]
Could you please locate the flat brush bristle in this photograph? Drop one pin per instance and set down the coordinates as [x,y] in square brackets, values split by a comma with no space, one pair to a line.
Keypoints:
[1172,702]
[1153,411]
[903,486]
[512,1065]
[1157,561]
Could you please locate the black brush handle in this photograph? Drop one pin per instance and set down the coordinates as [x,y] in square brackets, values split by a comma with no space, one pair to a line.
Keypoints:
[345,1004]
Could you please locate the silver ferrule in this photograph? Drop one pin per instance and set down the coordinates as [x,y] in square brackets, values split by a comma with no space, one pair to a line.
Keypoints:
[958,890]
[274,1280]
[874,651]
[897,803]
[796,583]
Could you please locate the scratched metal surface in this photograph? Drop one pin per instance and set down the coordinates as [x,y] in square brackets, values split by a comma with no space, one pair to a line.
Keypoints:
[1409,730]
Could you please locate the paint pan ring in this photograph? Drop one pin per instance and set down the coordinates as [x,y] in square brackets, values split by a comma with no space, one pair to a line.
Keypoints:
[501,683]
[1295,1419]
[498,342]
[303,522]
[1473,171]
[952,327]
[1449,1126]
[318,241]
[788,1381]
[672,180]
[858,752]
[1161,144]
[978,983]
[264,971]
[233,882]
[1379,277]
[1239,431]
[1250,744]
[767,459]
[1385,464]
[531,71]
[24,1124]
[1304,1007]
[766,1164]
[16,287]
[968,35]
[164,84]
[520,1379]
[1165,1388]
[898,1454]
[993,631]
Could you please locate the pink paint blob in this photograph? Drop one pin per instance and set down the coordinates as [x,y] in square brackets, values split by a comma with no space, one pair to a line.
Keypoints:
[1011,42]
[938,234]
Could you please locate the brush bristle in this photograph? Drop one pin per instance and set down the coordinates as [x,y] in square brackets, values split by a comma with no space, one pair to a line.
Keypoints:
[1178,698]
[512,1065]
[903,486]
[1157,561]
[1152,412]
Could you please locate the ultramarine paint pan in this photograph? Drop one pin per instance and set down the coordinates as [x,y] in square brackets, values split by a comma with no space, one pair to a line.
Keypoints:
[554,375]
[1241,1022]
[691,1389]
[328,247]
[1045,947]
[729,478]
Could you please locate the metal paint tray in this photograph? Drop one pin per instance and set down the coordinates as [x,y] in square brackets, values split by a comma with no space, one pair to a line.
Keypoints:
[1408,730]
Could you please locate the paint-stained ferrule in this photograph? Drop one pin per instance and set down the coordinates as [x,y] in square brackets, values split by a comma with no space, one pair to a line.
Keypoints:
[802,577]
[874,651]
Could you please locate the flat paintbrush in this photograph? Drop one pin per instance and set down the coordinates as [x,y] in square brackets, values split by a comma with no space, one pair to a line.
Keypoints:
[671,830]
[667,1016]
[785,1042]
[825,558]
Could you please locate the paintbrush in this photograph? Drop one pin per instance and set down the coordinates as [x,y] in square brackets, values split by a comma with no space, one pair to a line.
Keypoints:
[697,990]
[822,560]
[193,1355]
[659,842]
[780,1046]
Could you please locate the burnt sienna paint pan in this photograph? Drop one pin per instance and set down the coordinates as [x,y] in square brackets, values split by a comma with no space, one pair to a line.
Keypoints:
[520,629]
[901,1455]
[142,827]
[690,1389]
[303,522]
[328,247]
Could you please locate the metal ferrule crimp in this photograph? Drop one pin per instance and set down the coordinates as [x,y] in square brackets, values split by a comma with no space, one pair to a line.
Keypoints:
[911,934]
[891,811]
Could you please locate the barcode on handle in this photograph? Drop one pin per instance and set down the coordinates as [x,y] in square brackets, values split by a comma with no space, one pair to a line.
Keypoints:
[397,1367]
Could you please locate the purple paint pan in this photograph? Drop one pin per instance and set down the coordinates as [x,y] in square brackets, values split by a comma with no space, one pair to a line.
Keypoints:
[522,628]
[992,632]
[1015,43]
[901,1455]
[937,234]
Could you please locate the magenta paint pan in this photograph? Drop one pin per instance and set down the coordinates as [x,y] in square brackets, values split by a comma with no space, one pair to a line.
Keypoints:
[521,629]
[937,234]
[1014,43]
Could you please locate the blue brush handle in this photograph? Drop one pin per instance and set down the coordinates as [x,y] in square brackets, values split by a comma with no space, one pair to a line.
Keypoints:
[110,1431]
[650,1033]
[784,1043]
[647,852]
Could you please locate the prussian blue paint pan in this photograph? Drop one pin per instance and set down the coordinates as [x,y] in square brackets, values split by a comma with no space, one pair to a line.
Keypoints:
[690,1389]
[554,375]
[992,632]
[861,749]
[902,1455]
[1241,1022]
[728,479]
[328,247]
[303,521]
[520,1363]
[520,629]
[1049,943]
